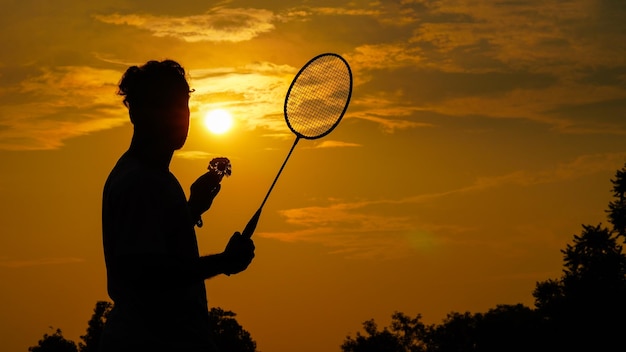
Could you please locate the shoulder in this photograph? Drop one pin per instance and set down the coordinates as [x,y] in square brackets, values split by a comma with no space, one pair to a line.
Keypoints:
[130,177]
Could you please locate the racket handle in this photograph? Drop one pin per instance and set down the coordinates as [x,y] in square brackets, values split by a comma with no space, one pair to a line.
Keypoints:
[251,226]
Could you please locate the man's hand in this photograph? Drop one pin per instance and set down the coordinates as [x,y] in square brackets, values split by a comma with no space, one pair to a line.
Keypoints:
[238,254]
[203,191]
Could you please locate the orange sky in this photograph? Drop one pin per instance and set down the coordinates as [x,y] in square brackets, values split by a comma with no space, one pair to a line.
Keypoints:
[481,135]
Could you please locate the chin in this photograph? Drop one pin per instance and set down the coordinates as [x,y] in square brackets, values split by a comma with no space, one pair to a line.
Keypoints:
[178,144]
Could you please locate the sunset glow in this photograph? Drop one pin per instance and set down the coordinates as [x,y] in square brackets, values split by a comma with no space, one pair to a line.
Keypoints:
[479,136]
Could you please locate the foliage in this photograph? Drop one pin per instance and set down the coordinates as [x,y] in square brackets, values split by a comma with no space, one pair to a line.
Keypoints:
[583,310]
[227,334]
[457,333]
[404,336]
[509,328]
[54,343]
[95,325]
[617,207]
[504,328]
[409,331]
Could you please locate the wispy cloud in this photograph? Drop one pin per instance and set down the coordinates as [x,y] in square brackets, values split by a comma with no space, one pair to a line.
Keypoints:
[216,25]
[193,154]
[58,103]
[346,11]
[15,263]
[542,105]
[336,144]
[534,60]
[506,60]
[523,34]
[384,56]
[390,110]
[579,167]
[339,224]
[256,91]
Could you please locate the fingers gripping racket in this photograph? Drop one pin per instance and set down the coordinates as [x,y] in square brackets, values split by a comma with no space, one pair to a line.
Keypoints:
[317,99]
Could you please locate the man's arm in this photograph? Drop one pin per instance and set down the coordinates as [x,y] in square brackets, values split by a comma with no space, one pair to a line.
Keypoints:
[149,271]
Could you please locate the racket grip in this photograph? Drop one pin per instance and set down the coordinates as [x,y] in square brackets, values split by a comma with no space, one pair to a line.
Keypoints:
[251,226]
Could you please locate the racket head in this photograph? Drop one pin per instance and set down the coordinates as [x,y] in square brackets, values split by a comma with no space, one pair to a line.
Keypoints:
[318,96]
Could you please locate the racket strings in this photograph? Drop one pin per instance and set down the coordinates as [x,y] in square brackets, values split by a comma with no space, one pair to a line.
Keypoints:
[318,97]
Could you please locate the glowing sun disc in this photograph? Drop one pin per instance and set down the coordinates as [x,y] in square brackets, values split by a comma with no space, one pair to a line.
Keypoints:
[218,121]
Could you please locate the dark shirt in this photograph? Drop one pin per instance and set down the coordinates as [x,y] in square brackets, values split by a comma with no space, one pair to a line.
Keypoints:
[147,234]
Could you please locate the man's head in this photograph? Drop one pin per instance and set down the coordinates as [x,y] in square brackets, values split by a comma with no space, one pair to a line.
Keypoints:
[157,96]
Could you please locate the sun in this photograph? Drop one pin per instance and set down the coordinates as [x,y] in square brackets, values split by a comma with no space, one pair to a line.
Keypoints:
[218,121]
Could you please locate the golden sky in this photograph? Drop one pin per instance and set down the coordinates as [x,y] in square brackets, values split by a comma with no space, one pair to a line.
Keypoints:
[480,136]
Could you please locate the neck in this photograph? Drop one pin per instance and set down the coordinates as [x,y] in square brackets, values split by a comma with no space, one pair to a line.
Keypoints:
[150,151]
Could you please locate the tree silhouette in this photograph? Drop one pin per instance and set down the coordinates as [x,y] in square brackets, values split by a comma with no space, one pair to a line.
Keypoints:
[54,343]
[585,308]
[227,334]
[617,207]
[504,328]
[458,333]
[512,328]
[374,341]
[404,335]
[410,331]
[91,340]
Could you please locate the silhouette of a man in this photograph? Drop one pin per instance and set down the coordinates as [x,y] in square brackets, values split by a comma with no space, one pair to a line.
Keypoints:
[155,275]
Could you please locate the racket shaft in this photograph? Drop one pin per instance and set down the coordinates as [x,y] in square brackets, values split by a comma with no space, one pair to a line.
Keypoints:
[280,171]
[251,226]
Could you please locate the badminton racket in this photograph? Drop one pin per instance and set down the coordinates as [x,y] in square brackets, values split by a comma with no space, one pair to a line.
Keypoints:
[315,103]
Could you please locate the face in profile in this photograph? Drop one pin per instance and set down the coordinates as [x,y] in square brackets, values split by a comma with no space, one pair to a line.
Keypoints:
[165,124]
[174,122]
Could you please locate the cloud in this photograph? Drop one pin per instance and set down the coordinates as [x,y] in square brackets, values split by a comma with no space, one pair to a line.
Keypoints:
[565,108]
[579,167]
[336,144]
[13,263]
[346,231]
[223,24]
[256,91]
[519,33]
[361,227]
[388,125]
[384,56]
[54,104]
[534,60]
[391,110]
[193,154]
[346,11]
[570,106]
[528,60]
[217,25]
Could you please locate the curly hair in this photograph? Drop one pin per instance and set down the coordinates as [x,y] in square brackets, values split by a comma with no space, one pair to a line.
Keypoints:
[154,83]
